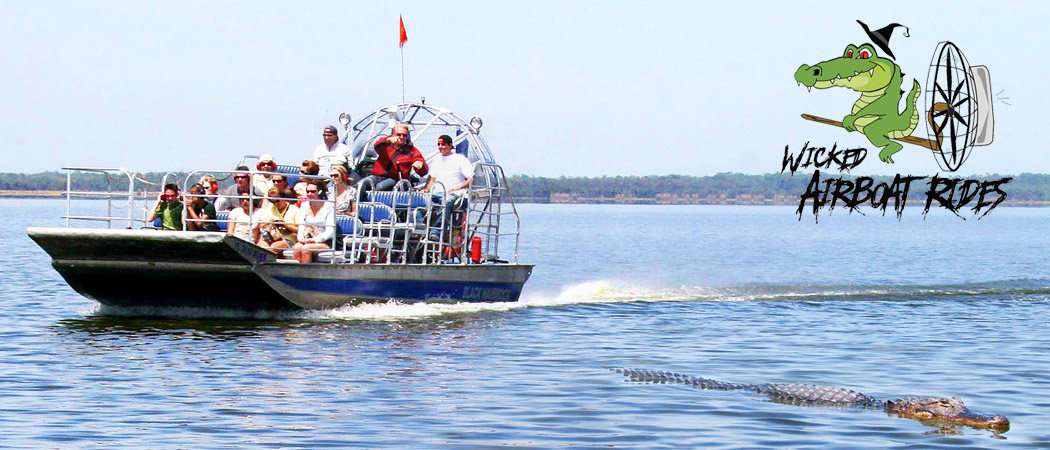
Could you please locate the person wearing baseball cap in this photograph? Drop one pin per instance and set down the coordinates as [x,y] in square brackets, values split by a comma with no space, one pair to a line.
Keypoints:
[331,151]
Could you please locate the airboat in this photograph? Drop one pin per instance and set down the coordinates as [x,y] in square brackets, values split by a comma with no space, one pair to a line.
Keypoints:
[394,246]
[958,100]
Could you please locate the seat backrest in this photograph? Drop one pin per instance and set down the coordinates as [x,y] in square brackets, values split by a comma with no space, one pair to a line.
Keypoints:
[289,170]
[399,199]
[347,225]
[222,216]
[374,212]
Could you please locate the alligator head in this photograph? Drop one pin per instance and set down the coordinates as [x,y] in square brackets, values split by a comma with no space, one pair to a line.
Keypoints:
[948,410]
[859,68]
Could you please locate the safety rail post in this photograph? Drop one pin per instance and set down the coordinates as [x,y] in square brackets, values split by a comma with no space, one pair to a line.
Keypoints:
[70,194]
[489,216]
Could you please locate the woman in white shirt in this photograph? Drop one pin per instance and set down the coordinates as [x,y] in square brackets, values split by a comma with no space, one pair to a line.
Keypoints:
[239,220]
[316,225]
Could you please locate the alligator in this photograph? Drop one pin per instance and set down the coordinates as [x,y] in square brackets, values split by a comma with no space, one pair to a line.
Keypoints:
[935,410]
[878,80]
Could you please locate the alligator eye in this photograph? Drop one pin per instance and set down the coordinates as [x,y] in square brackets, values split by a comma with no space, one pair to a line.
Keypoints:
[849,53]
[864,54]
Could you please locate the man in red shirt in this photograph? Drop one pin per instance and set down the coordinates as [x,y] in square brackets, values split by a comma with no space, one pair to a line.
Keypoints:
[398,158]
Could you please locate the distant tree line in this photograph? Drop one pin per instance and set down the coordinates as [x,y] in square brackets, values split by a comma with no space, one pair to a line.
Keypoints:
[1026,187]
[56,181]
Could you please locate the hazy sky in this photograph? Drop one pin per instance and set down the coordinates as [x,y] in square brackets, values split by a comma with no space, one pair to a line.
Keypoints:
[565,88]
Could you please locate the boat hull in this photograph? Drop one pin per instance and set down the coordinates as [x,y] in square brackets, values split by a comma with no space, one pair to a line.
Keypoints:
[157,269]
[319,286]
[176,269]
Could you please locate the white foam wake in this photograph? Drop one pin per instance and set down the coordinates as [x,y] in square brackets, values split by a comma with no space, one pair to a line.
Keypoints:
[599,291]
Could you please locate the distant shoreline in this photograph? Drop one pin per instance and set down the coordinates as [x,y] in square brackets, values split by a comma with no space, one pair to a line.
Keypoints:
[30,194]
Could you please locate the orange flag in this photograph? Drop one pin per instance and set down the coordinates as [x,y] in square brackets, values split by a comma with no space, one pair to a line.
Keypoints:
[404,35]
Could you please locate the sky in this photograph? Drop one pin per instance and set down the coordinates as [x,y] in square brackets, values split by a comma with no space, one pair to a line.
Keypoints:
[565,88]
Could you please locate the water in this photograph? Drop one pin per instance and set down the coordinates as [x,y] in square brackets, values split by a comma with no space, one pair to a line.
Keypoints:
[938,306]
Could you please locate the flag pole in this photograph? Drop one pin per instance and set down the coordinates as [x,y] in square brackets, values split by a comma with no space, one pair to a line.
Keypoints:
[401,39]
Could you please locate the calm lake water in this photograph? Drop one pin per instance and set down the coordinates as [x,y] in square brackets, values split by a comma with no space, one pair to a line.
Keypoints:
[939,306]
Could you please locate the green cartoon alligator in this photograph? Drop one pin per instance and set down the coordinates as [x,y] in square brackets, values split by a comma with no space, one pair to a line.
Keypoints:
[879,82]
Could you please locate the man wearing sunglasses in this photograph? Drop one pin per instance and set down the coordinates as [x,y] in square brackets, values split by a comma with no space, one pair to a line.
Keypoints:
[398,158]
[228,200]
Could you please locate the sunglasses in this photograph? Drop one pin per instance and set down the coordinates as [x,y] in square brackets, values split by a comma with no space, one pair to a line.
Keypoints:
[311,191]
[240,177]
[280,181]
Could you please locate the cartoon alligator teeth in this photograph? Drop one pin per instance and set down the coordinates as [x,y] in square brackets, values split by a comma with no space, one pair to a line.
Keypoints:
[875,113]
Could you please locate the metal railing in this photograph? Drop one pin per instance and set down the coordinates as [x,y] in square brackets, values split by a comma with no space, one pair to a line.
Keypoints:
[127,198]
[254,224]
[486,212]
[428,227]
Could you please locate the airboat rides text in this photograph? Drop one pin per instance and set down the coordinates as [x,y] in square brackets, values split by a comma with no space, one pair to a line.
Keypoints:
[961,196]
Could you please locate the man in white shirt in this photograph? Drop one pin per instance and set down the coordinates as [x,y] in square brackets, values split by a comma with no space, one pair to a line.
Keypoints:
[453,170]
[455,173]
[332,152]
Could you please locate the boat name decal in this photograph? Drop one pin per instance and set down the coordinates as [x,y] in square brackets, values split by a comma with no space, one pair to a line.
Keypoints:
[486,293]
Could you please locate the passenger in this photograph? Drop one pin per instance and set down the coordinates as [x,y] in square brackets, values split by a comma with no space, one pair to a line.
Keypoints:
[332,152]
[398,158]
[242,181]
[308,168]
[453,170]
[211,187]
[240,218]
[262,182]
[168,208]
[455,173]
[341,190]
[280,181]
[279,235]
[316,225]
[199,211]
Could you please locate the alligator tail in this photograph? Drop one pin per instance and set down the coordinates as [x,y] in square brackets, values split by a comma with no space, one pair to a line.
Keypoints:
[910,111]
[655,376]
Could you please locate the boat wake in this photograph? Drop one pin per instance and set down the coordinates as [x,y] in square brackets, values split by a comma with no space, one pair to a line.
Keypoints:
[608,292]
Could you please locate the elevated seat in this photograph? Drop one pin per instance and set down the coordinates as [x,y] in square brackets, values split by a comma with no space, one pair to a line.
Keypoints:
[289,170]
[400,199]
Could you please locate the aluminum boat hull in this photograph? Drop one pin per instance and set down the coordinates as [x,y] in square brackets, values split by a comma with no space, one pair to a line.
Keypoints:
[165,269]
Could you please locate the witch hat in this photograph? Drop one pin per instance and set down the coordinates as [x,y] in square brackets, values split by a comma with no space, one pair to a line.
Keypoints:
[881,37]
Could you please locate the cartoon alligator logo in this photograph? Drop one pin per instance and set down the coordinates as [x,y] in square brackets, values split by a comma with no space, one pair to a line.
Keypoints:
[878,80]
[958,97]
